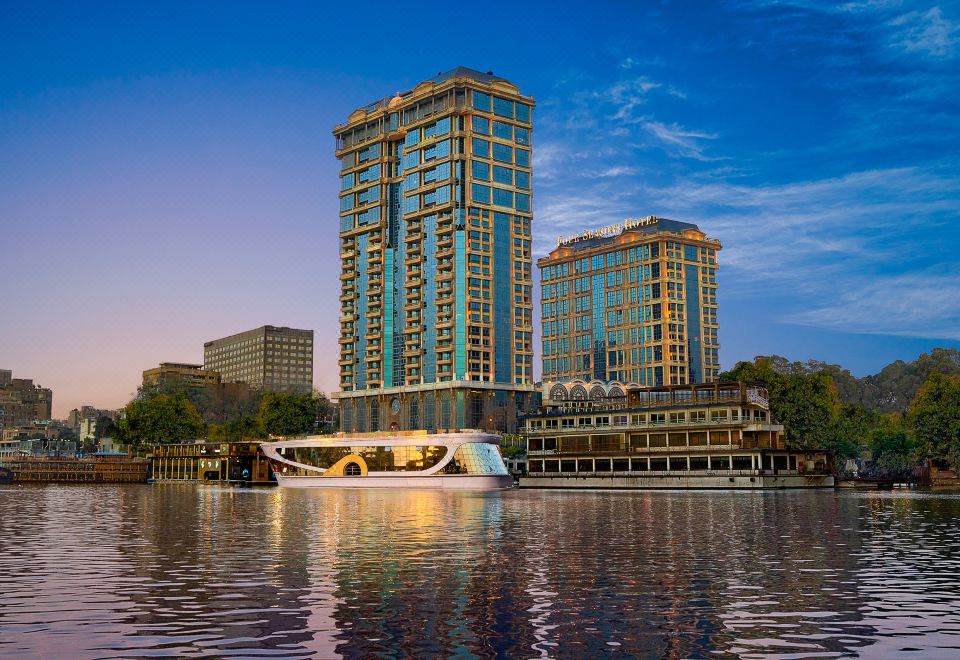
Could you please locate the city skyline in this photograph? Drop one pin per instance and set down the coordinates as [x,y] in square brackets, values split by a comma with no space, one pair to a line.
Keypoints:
[160,185]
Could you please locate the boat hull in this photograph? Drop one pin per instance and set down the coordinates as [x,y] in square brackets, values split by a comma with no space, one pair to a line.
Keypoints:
[431,482]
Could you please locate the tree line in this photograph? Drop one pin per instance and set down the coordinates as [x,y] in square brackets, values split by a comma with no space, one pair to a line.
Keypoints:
[894,421]
[171,414]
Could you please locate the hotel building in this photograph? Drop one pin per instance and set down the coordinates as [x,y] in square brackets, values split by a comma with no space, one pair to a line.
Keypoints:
[436,284]
[267,358]
[716,435]
[634,302]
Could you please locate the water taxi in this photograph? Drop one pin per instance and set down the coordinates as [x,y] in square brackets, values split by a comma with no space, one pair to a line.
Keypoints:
[460,460]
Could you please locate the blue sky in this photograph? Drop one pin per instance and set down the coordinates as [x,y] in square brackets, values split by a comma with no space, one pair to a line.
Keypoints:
[167,172]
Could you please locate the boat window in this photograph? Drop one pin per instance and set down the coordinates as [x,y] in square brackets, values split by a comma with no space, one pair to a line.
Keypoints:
[352,469]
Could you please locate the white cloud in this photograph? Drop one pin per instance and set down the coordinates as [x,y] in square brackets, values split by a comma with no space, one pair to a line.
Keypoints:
[926,32]
[844,248]
[923,304]
[681,141]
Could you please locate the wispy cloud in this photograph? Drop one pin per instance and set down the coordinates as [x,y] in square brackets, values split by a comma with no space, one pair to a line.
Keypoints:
[832,246]
[679,140]
[923,304]
[926,32]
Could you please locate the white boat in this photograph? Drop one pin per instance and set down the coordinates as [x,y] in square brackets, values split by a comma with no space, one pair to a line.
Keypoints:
[461,460]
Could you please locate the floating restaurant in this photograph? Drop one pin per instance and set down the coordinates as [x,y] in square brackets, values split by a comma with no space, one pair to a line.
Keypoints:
[211,461]
[714,435]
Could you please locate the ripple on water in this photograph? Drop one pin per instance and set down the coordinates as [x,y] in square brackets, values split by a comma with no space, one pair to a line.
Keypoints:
[197,571]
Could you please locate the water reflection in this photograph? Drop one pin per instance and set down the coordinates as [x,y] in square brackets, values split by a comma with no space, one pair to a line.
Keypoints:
[205,571]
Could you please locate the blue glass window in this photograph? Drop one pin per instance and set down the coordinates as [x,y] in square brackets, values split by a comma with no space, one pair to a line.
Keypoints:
[346,181]
[443,126]
[481,101]
[523,201]
[373,151]
[369,174]
[412,138]
[346,224]
[521,135]
[503,175]
[368,195]
[481,170]
[502,153]
[443,149]
[443,171]
[502,107]
[502,130]
[346,203]
[523,112]
[443,194]
[523,157]
[523,179]
[481,194]
[481,148]
[481,125]
[502,197]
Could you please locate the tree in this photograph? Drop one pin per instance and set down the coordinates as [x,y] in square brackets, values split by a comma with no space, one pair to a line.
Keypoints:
[894,452]
[287,414]
[934,417]
[159,420]
[805,403]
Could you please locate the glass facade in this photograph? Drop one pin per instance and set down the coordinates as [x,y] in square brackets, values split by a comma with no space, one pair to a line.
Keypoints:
[475,458]
[436,285]
[636,305]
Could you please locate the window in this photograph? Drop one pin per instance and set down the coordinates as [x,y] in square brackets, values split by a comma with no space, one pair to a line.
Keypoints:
[481,170]
[523,179]
[523,112]
[352,469]
[523,202]
[481,125]
[502,197]
[521,135]
[523,157]
[481,101]
[503,175]
[481,148]
[502,152]
[502,107]
[481,193]
[502,130]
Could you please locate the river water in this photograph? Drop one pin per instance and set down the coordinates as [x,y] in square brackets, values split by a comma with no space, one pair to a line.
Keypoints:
[192,570]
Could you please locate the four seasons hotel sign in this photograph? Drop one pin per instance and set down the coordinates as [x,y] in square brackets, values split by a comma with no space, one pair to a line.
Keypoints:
[609,230]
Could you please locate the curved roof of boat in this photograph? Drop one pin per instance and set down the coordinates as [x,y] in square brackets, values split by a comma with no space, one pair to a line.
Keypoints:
[388,439]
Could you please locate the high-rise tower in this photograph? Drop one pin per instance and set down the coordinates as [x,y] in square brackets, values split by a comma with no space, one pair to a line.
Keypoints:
[634,302]
[435,214]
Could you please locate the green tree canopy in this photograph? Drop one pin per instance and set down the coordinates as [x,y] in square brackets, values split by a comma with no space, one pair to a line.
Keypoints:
[287,414]
[159,420]
[934,417]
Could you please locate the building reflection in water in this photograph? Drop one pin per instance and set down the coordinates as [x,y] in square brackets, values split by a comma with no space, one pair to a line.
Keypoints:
[192,570]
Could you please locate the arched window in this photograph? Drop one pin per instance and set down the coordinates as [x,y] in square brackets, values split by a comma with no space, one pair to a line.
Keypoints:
[351,469]
[578,393]
[558,392]
[597,393]
[616,392]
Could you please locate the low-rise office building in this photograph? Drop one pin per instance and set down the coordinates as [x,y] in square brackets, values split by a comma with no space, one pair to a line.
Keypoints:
[177,373]
[716,435]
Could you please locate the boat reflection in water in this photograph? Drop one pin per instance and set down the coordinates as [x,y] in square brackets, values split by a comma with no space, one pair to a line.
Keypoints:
[461,460]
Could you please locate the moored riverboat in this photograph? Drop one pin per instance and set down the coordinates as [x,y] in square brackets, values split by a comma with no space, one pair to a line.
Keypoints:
[416,459]
[64,469]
